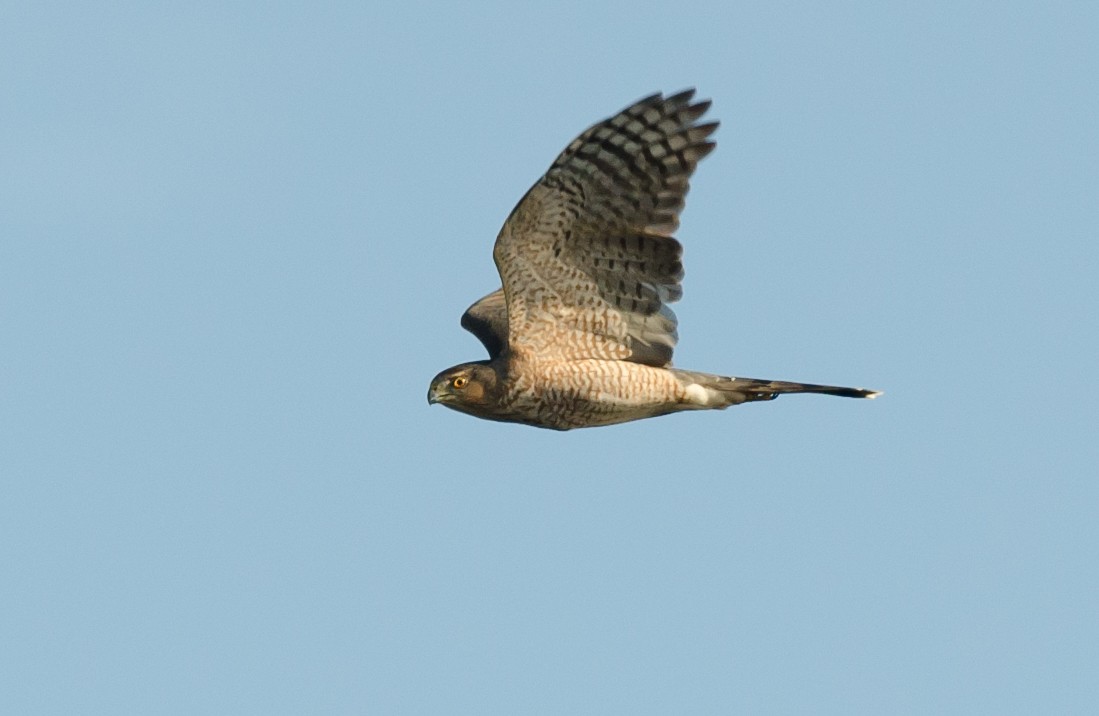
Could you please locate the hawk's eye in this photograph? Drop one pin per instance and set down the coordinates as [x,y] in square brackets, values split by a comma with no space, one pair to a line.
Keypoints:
[460,382]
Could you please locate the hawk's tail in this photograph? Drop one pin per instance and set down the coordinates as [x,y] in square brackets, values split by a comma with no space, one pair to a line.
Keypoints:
[715,391]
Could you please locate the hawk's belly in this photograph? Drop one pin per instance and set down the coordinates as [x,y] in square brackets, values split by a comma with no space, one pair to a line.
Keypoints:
[587,393]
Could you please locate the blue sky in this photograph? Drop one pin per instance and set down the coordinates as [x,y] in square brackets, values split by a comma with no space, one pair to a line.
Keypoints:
[235,242]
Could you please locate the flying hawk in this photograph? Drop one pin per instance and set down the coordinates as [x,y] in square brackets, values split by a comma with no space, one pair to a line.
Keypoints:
[581,333]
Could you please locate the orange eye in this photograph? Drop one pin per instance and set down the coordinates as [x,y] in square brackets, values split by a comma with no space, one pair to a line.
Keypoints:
[460,382]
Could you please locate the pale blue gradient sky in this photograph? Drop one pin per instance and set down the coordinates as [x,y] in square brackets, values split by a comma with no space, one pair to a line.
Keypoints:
[235,242]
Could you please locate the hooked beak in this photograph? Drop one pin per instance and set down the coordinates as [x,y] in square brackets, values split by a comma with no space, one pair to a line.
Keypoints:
[434,393]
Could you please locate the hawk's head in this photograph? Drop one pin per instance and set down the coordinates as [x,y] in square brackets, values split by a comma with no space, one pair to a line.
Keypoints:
[470,387]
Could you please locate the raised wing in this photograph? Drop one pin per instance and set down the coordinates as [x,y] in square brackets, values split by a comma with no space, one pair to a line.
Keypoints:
[587,257]
[488,320]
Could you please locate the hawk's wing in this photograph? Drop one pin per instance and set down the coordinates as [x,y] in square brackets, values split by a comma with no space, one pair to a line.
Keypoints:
[587,257]
[488,320]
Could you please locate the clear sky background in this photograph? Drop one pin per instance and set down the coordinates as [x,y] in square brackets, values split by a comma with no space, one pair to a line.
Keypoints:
[235,242]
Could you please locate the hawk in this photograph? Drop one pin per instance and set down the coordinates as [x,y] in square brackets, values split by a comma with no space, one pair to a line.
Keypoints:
[580,334]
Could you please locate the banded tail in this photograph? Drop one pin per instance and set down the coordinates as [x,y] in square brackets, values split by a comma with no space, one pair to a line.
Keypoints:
[715,391]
